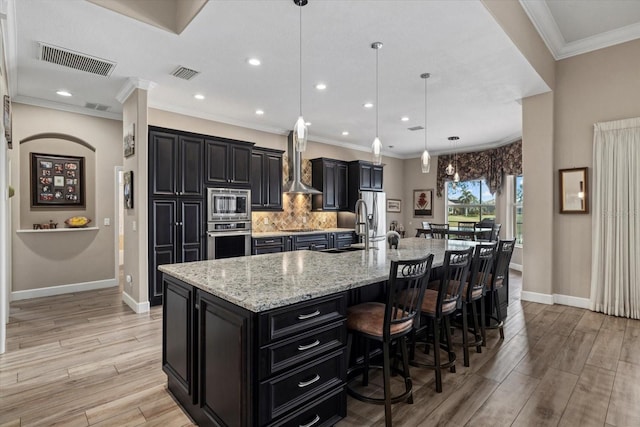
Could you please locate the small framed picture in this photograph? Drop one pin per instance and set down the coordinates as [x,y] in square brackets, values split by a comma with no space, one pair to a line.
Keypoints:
[7,121]
[422,203]
[394,205]
[128,189]
[129,142]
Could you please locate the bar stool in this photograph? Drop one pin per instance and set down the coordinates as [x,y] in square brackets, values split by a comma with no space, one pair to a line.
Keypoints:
[390,322]
[499,274]
[473,291]
[439,302]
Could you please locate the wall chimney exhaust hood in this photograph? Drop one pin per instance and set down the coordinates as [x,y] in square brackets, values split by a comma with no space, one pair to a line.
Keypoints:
[294,185]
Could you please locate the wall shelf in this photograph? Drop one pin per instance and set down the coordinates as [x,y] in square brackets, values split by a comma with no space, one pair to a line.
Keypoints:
[58,230]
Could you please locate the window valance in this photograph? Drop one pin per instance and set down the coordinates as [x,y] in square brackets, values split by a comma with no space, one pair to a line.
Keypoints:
[491,165]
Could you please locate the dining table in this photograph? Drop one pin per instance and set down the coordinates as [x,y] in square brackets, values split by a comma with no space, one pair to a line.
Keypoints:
[477,232]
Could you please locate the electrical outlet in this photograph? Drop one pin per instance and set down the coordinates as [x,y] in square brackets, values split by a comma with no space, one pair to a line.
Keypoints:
[107,221]
[304,219]
[265,221]
[134,226]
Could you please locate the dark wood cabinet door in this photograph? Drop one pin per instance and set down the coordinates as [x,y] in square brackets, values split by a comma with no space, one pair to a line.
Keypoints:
[240,163]
[341,186]
[191,176]
[224,398]
[257,187]
[365,176]
[163,152]
[329,186]
[162,244]
[216,164]
[178,350]
[191,231]
[376,178]
[273,173]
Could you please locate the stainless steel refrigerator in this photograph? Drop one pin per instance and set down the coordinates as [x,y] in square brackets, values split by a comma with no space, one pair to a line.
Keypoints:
[375,202]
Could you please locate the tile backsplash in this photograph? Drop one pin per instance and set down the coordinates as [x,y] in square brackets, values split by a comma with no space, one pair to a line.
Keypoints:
[296,211]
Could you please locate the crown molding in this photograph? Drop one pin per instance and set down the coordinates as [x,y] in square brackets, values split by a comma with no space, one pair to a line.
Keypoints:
[132,84]
[544,22]
[65,107]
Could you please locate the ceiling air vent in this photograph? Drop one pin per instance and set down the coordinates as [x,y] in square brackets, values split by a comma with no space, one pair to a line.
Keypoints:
[185,73]
[76,60]
[97,107]
[414,128]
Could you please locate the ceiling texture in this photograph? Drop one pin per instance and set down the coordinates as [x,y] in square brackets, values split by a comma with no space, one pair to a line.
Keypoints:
[478,76]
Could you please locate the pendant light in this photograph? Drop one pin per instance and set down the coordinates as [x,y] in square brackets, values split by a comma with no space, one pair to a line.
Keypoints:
[376,147]
[456,176]
[425,160]
[300,131]
[450,170]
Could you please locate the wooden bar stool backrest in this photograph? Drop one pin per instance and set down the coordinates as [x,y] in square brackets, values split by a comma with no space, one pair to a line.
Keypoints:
[495,232]
[480,271]
[455,270]
[501,263]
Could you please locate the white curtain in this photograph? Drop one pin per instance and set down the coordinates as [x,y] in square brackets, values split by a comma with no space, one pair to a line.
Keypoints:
[615,271]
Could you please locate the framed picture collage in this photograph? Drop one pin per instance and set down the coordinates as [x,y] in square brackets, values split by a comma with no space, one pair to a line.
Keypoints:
[57,180]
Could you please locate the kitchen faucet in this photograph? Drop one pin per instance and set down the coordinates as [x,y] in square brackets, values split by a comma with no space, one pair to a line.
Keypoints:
[361,205]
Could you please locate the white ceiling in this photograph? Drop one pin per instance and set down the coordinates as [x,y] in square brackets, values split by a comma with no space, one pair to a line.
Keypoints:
[478,75]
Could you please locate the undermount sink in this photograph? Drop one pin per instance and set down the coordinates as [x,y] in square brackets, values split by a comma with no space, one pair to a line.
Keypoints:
[343,250]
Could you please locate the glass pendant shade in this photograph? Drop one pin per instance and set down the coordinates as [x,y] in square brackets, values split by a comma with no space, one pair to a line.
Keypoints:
[449,170]
[456,177]
[376,148]
[300,135]
[426,161]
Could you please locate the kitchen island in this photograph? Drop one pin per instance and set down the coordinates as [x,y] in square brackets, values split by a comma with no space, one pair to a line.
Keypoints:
[260,340]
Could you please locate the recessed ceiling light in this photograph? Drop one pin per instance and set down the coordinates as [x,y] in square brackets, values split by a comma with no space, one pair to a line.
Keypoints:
[254,61]
[368,105]
[321,86]
[63,93]
[199,96]
[404,119]
[259,112]
[345,133]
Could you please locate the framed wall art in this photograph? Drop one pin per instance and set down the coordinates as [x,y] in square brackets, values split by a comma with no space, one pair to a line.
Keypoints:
[57,181]
[423,202]
[574,191]
[127,179]
[7,121]
[394,205]
[129,142]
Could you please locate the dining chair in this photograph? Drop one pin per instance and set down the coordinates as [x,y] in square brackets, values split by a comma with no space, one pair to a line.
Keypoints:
[440,301]
[468,226]
[389,322]
[439,231]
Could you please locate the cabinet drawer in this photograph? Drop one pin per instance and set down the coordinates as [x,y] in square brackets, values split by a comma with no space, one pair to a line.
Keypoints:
[301,348]
[259,250]
[322,237]
[268,241]
[323,412]
[287,391]
[287,321]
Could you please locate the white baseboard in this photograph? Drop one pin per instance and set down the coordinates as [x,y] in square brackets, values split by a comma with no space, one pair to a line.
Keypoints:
[536,297]
[516,267]
[63,289]
[572,301]
[138,307]
[556,299]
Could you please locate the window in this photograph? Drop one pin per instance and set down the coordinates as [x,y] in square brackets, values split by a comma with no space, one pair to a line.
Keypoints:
[469,201]
[518,211]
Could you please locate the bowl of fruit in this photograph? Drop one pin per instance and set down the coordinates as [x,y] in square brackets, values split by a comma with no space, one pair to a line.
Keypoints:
[77,222]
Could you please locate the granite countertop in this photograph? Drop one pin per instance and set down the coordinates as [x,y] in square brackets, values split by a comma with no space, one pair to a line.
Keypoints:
[289,233]
[263,282]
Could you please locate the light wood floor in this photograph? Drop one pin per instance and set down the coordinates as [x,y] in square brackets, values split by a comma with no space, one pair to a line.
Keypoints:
[87,359]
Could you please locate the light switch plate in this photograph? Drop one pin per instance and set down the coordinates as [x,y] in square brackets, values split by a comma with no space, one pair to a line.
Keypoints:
[107,221]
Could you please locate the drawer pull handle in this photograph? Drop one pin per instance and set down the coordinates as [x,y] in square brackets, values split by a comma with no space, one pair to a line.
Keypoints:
[303,384]
[308,316]
[269,241]
[308,346]
[313,421]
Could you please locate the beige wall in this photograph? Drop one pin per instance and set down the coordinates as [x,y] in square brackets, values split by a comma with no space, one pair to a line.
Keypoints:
[594,87]
[51,259]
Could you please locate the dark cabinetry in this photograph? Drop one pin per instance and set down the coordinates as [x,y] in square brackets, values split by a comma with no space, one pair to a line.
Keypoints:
[175,167]
[343,239]
[330,177]
[281,367]
[227,163]
[269,245]
[313,242]
[266,179]
[176,234]
[365,176]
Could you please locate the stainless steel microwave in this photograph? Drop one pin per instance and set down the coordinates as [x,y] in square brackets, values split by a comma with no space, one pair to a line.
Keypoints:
[224,204]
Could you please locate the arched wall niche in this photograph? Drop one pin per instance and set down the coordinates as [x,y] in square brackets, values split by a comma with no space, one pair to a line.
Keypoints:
[63,145]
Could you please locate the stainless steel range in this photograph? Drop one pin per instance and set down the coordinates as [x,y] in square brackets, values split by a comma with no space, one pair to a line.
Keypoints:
[228,223]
